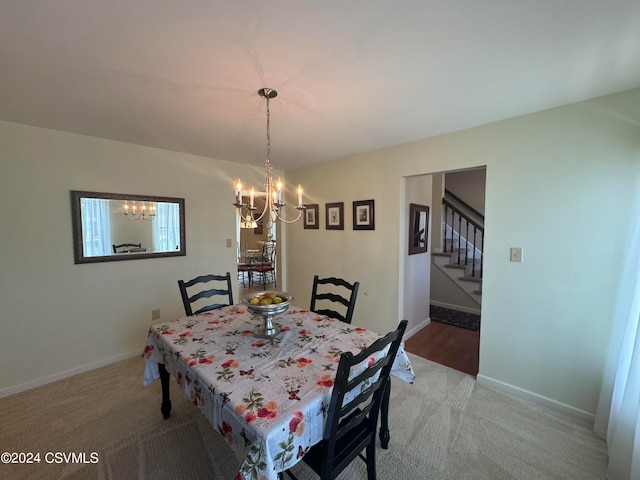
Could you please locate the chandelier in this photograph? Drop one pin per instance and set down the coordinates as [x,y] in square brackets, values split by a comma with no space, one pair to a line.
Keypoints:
[273,204]
[139,211]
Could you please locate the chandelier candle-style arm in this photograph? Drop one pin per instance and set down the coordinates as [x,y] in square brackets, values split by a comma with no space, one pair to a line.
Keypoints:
[273,200]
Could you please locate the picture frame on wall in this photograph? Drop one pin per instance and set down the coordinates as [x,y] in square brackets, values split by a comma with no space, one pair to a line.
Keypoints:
[363,215]
[311,220]
[334,216]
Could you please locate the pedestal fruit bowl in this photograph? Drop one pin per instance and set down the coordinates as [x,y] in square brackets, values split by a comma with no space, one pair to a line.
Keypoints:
[267,304]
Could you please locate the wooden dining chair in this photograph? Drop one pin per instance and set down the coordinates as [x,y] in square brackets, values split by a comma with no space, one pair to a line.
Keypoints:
[345,294]
[352,416]
[127,247]
[264,270]
[243,273]
[209,286]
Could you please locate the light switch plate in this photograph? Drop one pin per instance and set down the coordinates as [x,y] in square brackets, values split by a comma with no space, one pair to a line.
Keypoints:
[516,254]
[228,243]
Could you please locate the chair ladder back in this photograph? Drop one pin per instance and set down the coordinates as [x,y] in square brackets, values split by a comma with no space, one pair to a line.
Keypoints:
[124,245]
[188,300]
[346,382]
[349,303]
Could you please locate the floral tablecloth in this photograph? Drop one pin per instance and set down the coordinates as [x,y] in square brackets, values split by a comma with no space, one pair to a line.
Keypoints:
[267,397]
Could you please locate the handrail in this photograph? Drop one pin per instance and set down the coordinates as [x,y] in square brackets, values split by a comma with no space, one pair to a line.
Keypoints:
[462,214]
[465,204]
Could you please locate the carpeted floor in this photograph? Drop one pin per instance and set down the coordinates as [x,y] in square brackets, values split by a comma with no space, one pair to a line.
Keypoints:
[444,426]
[456,318]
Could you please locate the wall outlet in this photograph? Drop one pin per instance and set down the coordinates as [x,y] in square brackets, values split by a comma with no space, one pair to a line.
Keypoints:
[516,254]
[155,314]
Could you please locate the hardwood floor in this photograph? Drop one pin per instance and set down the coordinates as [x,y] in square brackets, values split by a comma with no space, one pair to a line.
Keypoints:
[454,347]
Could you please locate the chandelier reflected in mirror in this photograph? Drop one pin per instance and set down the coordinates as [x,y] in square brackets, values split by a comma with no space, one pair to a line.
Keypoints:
[139,211]
[273,204]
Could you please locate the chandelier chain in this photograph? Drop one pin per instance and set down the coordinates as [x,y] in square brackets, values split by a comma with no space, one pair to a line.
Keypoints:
[268,132]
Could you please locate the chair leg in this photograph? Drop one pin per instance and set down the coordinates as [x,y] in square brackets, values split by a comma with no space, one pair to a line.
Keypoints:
[371,460]
[385,436]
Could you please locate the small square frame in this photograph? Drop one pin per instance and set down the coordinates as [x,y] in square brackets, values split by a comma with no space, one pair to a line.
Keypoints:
[311,218]
[334,217]
[364,215]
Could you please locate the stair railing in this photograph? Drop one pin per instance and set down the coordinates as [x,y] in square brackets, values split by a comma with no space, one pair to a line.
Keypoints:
[454,213]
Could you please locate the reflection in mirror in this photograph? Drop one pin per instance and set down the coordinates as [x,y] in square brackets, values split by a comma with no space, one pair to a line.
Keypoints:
[112,226]
[418,228]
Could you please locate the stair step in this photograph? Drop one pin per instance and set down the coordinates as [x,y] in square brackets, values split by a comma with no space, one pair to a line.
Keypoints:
[469,278]
[455,265]
[455,272]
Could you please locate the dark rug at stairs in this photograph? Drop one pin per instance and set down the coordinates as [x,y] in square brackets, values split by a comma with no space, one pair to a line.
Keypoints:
[456,318]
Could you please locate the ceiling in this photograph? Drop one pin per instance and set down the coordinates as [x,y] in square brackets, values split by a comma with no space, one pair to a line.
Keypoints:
[351,75]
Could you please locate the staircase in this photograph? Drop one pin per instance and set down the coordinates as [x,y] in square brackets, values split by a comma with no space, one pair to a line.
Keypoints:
[463,235]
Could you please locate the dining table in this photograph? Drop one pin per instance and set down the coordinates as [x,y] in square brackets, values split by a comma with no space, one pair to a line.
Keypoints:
[266,395]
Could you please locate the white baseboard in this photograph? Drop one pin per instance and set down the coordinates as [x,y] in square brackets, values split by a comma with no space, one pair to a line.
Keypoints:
[410,333]
[475,311]
[534,397]
[69,373]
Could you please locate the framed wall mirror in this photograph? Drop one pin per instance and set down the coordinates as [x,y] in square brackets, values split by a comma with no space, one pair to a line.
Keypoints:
[110,227]
[418,228]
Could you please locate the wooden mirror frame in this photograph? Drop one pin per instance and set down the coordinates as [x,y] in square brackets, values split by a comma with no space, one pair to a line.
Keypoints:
[416,211]
[76,220]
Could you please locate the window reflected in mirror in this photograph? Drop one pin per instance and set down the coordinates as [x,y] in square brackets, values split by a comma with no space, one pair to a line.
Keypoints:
[110,227]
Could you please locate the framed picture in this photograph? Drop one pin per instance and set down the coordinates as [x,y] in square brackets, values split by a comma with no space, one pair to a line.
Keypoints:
[335,216]
[258,229]
[418,228]
[311,219]
[363,215]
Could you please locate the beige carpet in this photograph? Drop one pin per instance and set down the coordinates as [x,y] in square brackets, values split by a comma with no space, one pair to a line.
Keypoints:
[445,426]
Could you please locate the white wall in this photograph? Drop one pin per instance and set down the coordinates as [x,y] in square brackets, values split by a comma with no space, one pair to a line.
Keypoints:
[415,296]
[546,321]
[58,317]
[468,186]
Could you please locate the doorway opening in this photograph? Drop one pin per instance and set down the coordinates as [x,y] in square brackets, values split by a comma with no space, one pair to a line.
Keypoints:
[451,333]
[251,239]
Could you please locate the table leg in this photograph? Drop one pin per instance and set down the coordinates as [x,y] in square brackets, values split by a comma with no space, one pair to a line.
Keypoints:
[165,408]
[384,416]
